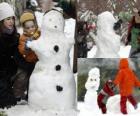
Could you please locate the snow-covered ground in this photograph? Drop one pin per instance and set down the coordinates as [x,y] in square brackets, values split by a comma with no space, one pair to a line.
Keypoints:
[90,106]
[88,112]
[26,110]
[123,53]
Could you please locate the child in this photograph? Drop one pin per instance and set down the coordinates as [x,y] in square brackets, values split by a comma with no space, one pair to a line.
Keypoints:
[104,94]
[30,33]
[126,80]
[8,46]
[133,30]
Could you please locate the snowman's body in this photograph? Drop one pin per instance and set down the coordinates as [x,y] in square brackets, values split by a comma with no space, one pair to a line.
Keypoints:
[92,86]
[52,85]
[107,41]
[113,105]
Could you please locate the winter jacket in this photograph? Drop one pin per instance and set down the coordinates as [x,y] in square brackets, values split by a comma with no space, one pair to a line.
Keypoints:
[8,46]
[126,79]
[8,67]
[29,55]
[133,33]
[133,29]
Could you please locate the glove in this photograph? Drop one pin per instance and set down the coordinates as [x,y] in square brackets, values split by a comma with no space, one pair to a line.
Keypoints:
[26,47]
[117,25]
[36,34]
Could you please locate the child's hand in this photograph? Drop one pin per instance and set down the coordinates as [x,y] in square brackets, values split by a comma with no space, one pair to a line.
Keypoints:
[36,34]
[27,44]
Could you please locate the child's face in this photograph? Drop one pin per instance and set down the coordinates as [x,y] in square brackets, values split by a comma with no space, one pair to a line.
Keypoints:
[29,27]
[9,22]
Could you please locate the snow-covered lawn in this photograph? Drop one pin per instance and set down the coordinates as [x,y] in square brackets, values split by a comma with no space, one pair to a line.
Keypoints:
[93,112]
[123,53]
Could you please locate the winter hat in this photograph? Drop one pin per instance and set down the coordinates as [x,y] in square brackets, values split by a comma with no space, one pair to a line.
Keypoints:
[26,16]
[6,11]
[124,63]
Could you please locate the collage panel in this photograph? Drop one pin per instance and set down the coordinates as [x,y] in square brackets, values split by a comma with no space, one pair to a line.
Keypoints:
[108,29]
[108,86]
[38,58]
[69,57]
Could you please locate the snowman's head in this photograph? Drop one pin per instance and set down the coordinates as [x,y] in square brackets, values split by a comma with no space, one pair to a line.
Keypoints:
[105,21]
[53,20]
[93,81]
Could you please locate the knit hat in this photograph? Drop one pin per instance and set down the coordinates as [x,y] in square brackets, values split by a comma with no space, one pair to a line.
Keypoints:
[6,11]
[27,16]
[124,63]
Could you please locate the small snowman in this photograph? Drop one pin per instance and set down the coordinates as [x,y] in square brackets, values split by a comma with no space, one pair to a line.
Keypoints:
[92,86]
[107,41]
[52,85]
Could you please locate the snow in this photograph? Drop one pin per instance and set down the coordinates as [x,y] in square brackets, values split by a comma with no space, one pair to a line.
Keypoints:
[89,107]
[87,112]
[44,100]
[52,80]
[123,52]
[113,105]
[92,86]
[107,42]
[39,17]
[25,110]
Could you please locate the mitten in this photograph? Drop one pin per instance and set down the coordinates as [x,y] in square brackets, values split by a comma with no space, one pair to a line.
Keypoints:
[26,47]
[36,34]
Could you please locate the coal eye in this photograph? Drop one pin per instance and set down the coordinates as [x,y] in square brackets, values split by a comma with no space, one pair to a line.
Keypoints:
[91,79]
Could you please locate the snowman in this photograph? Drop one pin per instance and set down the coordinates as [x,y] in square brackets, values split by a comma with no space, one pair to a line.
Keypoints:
[92,86]
[113,105]
[107,41]
[52,85]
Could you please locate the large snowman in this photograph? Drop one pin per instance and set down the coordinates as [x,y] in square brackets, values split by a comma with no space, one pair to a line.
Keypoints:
[107,41]
[52,86]
[92,85]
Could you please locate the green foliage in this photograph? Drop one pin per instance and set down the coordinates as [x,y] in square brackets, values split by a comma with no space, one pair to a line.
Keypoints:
[81,86]
[2,113]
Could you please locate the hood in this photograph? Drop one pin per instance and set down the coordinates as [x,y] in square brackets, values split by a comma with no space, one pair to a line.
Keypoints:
[124,63]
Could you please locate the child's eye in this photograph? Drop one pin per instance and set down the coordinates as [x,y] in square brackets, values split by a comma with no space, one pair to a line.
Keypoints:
[33,26]
[27,27]
[9,18]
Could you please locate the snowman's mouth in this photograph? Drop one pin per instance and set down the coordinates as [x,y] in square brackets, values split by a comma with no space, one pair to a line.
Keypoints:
[59,88]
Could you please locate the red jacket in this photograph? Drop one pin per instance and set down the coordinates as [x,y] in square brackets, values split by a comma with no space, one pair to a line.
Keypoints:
[126,79]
